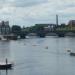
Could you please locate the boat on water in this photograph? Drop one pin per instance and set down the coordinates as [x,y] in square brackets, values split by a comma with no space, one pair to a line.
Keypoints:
[72,54]
[3,39]
[5,65]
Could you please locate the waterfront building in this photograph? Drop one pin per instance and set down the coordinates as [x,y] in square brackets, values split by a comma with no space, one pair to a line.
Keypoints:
[72,22]
[4,28]
[48,27]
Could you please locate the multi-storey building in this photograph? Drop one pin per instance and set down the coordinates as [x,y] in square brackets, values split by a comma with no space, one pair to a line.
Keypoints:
[4,28]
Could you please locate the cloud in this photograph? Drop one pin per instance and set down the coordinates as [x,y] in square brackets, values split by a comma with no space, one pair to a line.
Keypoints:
[21,3]
[29,12]
[24,3]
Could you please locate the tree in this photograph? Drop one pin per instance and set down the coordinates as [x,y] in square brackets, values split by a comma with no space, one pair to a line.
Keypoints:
[16,29]
[40,30]
[63,25]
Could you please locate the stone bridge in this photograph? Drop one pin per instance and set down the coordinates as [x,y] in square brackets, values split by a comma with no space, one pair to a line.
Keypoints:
[53,33]
[61,33]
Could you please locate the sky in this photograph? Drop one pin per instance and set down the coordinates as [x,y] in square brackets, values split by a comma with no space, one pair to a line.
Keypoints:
[31,12]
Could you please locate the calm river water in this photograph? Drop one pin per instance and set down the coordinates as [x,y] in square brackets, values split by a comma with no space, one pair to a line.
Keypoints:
[39,56]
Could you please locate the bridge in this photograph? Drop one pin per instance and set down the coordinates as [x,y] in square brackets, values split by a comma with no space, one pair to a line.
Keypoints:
[54,33]
[59,33]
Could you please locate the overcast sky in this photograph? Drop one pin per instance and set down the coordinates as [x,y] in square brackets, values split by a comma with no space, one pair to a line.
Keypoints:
[30,12]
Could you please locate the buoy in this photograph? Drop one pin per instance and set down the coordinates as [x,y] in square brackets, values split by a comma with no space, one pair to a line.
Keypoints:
[46,47]
[24,44]
[34,45]
[68,50]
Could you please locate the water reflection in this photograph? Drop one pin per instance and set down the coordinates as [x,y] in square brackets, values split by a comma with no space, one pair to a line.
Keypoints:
[4,50]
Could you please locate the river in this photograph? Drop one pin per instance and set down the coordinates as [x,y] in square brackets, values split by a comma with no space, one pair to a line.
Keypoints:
[39,56]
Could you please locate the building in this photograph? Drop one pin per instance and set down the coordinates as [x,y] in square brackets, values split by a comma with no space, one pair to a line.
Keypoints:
[48,27]
[4,28]
[71,23]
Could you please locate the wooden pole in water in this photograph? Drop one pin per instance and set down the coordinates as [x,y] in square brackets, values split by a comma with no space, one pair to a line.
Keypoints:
[0,72]
[6,72]
[6,61]
[6,67]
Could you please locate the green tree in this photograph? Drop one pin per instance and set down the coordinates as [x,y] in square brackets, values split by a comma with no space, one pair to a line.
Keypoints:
[40,30]
[16,29]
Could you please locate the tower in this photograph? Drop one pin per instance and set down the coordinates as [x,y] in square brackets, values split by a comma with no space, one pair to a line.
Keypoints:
[56,20]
